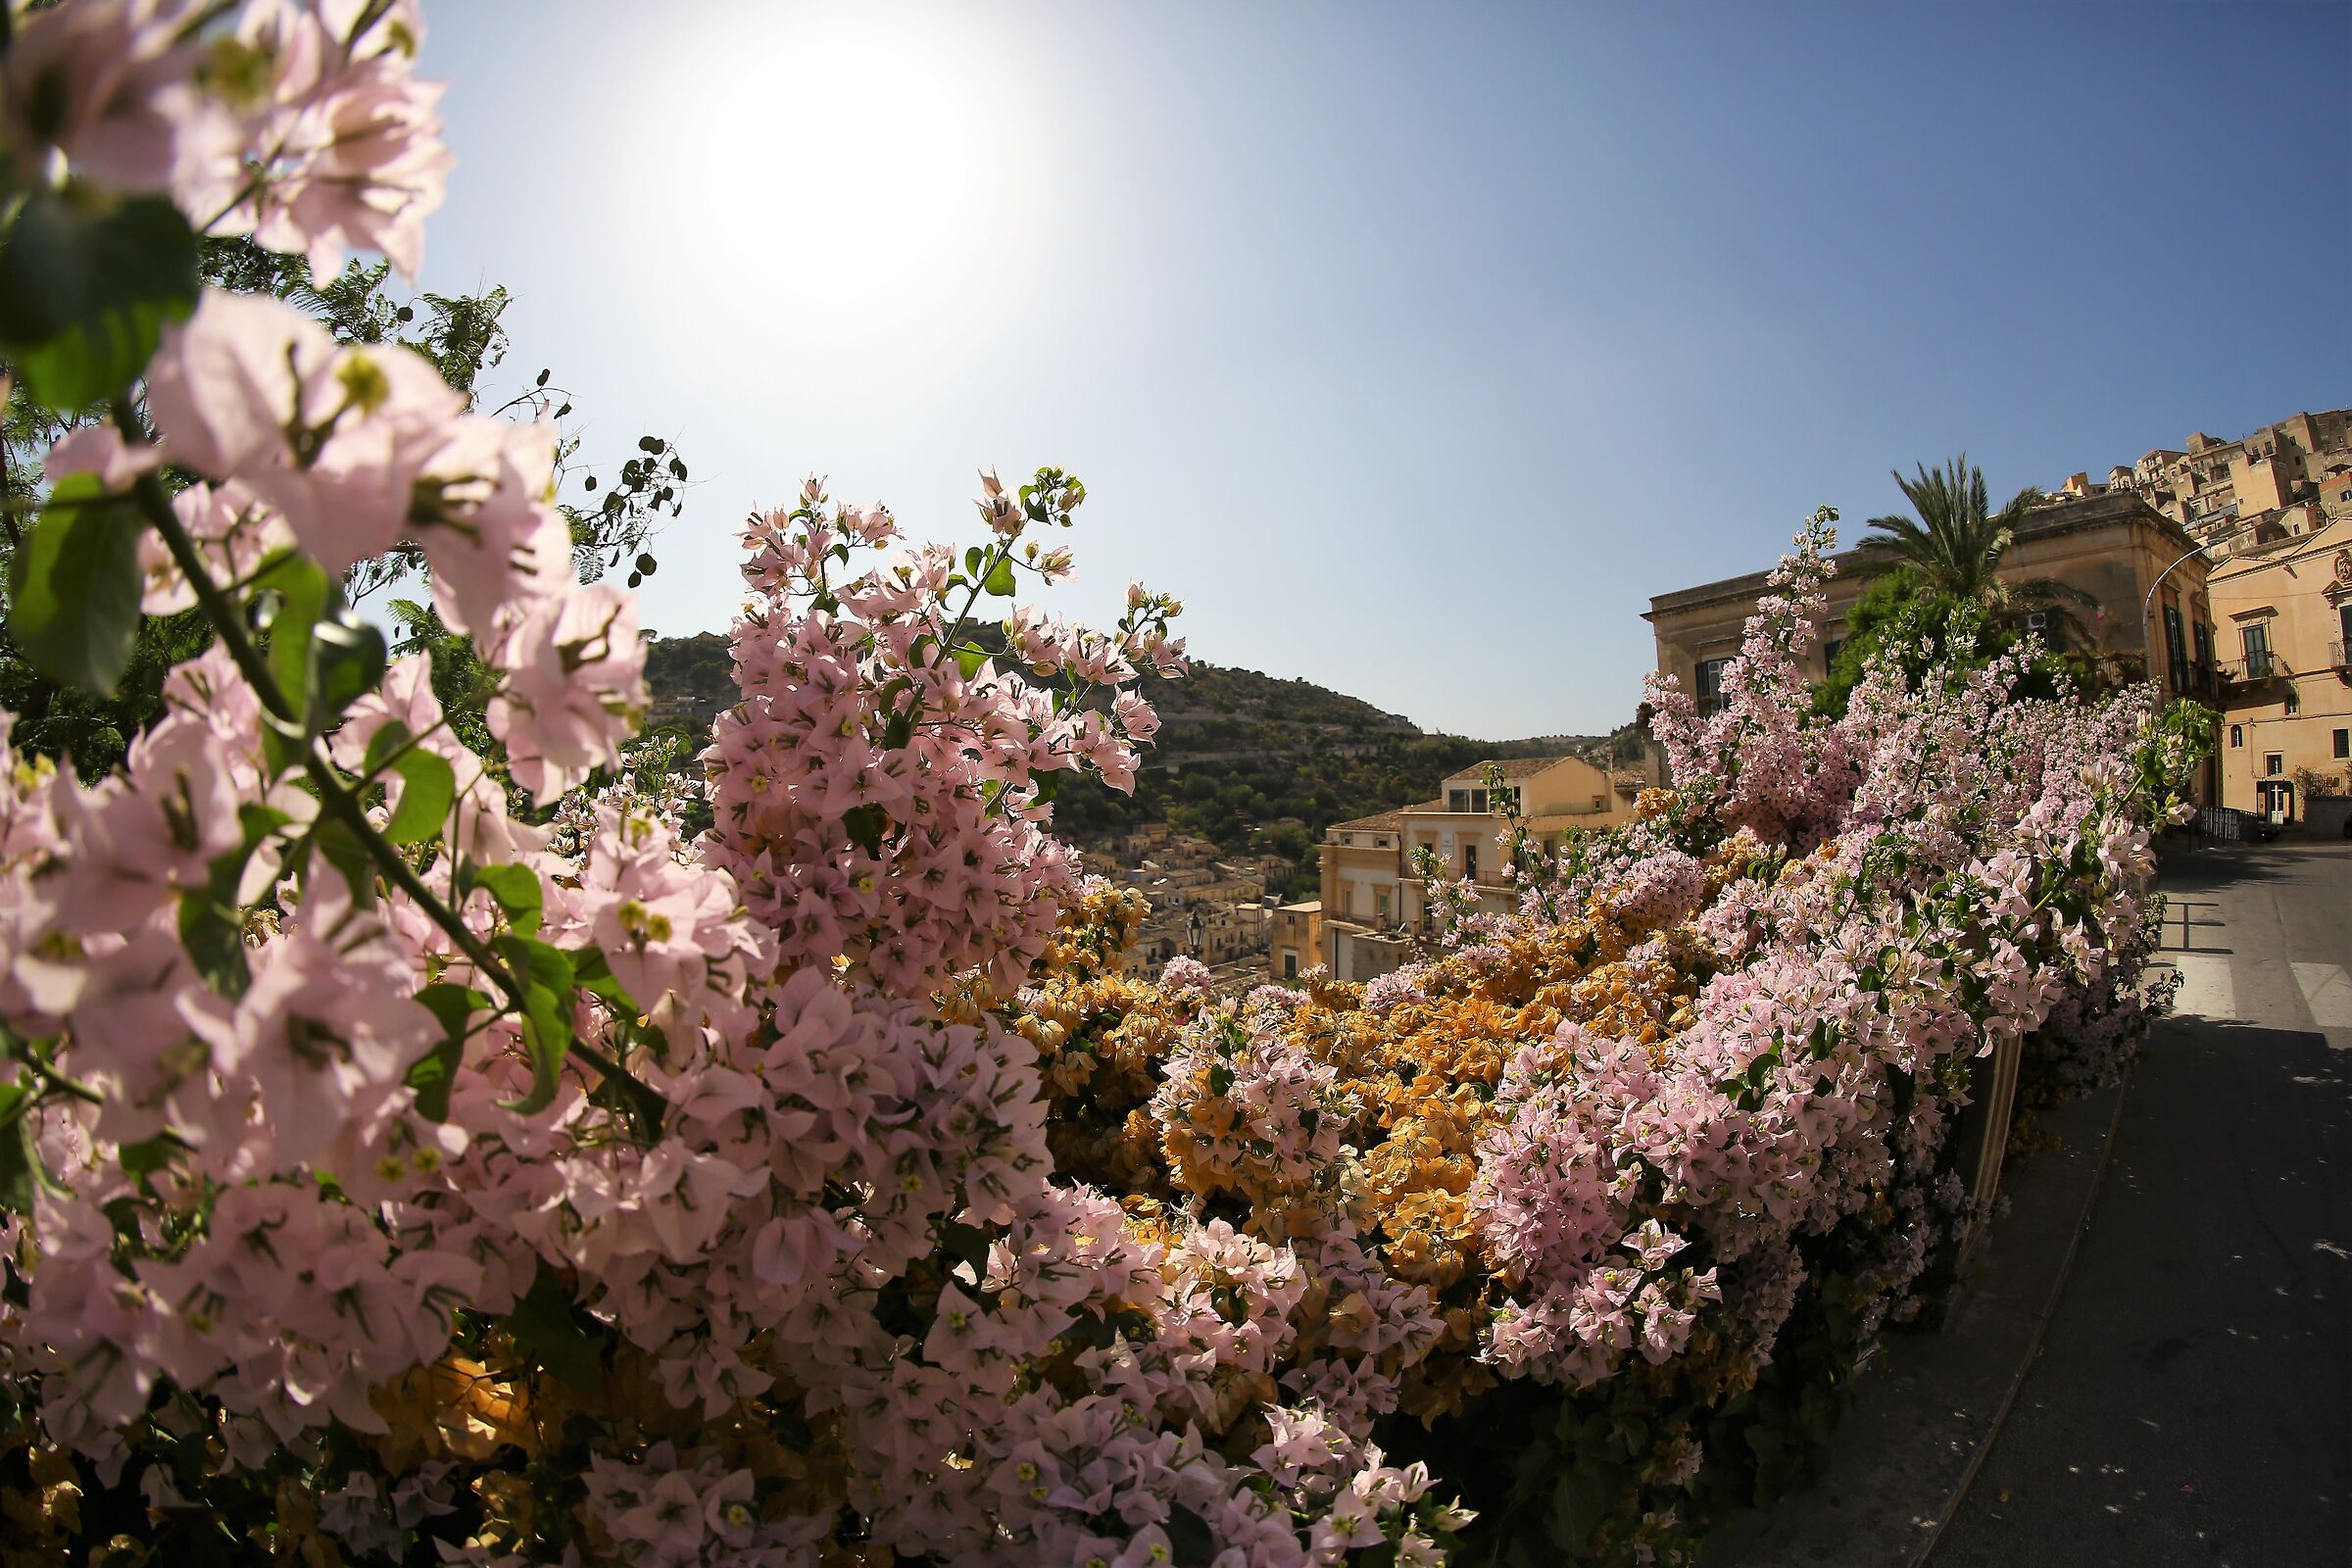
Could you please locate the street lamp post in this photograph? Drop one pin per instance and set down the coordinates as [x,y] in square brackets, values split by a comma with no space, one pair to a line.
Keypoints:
[2147,608]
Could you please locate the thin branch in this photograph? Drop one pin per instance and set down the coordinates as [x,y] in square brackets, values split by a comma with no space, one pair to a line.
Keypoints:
[339,802]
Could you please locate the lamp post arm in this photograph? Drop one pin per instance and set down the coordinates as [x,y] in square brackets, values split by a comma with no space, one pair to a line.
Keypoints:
[2147,608]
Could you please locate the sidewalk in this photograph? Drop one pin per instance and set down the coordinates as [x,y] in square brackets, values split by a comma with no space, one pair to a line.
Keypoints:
[2156,1366]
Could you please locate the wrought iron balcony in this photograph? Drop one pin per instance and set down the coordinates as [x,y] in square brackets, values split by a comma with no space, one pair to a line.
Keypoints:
[2253,668]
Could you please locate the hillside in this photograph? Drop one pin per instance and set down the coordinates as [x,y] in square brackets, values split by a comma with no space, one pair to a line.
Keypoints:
[1249,762]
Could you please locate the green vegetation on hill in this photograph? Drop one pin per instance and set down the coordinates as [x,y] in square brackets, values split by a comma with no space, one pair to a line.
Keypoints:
[1249,762]
[690,667]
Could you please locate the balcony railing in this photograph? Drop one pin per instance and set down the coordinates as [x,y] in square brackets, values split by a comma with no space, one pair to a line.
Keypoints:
[2251,668]
[2340,654]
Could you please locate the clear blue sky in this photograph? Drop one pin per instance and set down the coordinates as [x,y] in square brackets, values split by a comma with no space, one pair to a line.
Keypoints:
[1414,347]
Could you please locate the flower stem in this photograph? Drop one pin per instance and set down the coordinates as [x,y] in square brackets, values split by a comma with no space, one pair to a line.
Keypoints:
[228,622]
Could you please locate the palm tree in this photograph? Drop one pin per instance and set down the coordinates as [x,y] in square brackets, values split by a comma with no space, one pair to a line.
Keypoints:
[1954,548]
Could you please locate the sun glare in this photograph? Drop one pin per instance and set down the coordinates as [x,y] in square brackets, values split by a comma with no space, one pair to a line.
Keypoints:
[840,174]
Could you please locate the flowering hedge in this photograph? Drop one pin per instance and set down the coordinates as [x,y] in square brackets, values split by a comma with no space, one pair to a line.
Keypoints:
[417,1154]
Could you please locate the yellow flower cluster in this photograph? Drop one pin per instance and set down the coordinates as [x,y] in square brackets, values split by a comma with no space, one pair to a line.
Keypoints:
[1421,1079]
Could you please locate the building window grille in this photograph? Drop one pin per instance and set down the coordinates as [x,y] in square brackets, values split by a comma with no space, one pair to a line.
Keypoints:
[1470,863]
[2237,736]
[2294,703]
[2274,763]
[2343,743]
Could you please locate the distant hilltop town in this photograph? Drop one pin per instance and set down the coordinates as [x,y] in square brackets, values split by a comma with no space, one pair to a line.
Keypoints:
[2285,480]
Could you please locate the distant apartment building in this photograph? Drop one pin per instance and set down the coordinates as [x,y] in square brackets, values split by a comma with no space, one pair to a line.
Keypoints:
[2227,491]
[2112,545]
[1296,942]
[2271,514]
[1372,899]
[2287,690]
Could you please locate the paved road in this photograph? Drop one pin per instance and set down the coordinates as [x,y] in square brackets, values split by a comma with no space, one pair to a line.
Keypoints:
[2192,1404]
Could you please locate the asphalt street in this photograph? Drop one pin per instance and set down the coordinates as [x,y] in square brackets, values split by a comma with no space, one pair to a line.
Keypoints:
[2192,1402]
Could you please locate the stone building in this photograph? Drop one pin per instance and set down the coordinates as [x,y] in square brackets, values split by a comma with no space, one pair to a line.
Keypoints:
[2218,489]
[2285,607]
[2271,514]
[2112,545]
[1372,898]
[1297,943]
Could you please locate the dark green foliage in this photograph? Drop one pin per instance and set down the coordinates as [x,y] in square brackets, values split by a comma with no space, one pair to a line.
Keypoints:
[64,721]
[74,587]
[1925,630]
[86,283]
[461,335]
[1953,550]
[460,680]
[690,667]
[1261,765]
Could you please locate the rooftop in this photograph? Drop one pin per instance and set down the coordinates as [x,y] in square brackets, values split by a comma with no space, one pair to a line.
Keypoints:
[2063,515]
[1513,767]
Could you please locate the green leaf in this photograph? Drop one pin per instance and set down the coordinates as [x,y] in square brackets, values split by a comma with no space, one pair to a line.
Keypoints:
[1579,1503]
[347,657]
[303,596]
[87,281]
[1193,1544]
[865,826]
[428,784]
[968,659]
[517,892]
[546,1323]
[592,974]
[347,854]
[212,922]
[1000,580]
[432,1073]
[74,590]
[144,1158]
[547,981]
[20,1170]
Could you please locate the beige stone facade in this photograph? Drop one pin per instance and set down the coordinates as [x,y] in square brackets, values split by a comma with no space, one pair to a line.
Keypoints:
[1371,887]
[2272,512]
[2285,610]
[2112,545]
[1296,945]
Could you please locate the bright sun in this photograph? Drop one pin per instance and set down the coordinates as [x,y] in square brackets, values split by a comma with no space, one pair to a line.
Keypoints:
[840,174]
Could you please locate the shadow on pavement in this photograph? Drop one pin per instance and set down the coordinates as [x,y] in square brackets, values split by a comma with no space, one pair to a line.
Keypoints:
[2190,1401]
